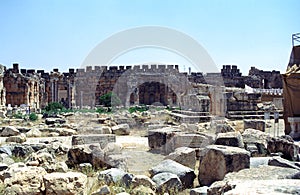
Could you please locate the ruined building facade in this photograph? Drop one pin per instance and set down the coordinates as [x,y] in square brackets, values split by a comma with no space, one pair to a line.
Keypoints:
[146,84]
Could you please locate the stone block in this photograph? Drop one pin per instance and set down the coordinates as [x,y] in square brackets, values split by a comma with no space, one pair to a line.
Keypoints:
[185,156]
[255,124]
[234,139]
[122,129]
[185,174]
[65,183]
[285,145]
[167,182]
[102,139]
[20,179]
[192,140]
[162,139]
[219,160]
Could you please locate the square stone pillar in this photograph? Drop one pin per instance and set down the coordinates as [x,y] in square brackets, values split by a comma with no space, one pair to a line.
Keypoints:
[295,127]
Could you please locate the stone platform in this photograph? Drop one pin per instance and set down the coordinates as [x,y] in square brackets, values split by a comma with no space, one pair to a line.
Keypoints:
[182,116]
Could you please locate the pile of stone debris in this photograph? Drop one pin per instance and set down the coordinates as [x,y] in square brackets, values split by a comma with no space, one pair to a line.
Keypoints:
[65,155]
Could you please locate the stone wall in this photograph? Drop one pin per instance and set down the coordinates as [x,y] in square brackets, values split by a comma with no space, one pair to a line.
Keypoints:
[22,88]
[264,79]
[146,84]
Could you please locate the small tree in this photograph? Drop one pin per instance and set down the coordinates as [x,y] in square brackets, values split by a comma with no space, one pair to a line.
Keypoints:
[110,99]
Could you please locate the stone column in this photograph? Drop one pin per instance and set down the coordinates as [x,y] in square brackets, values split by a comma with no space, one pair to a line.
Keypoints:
[52,90]
[56,91]
[69,94]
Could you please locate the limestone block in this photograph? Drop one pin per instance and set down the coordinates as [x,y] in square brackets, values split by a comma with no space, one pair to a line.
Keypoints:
[185,174]
[122,129]
[17,138]
[9,131]
[144,180]
[162,139]
[224,128]
[142,190]
[167,182]
[284,145]
[192,140]
[255,124]
[234,139]
[102,139]
[220,160]
[71,183]
[20,179]
[184,155]
[280,162]
[51,121]
[111,176]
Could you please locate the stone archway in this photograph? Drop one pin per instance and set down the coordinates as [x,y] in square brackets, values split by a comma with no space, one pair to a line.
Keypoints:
[156,92]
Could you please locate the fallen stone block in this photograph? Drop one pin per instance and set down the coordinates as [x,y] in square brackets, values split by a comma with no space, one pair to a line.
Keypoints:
[111,176]
[142,190]
[184,155]
[167,182]
[9,131]
[122,129]
[102,139]
[285,145]
[162,139]
[280,162]
[185,174]
[199,191]
[71,183]
[192,140]
[255,142]
[255,124]
[219,160]
[51,121]
[234,139]
[224,128]
[79,154]
[144,180]
[102,191]
[116,161]
[20,179]
[17,138]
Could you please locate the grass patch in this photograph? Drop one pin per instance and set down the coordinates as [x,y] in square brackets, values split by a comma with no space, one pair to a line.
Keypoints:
[141,108]
[18,158]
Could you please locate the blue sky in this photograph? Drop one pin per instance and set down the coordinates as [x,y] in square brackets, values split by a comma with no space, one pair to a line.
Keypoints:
[49,34]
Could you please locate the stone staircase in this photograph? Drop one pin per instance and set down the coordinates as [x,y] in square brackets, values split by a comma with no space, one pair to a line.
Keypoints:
[183,116]
[240,115]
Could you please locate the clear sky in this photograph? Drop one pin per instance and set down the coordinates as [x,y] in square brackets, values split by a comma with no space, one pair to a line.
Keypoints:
[49,34]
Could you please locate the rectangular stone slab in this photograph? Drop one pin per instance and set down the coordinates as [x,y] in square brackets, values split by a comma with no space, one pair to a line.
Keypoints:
[102,139]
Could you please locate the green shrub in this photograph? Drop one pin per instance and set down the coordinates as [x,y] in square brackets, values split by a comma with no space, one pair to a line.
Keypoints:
[33,117]
[19,116]
[54,107]
[110,99]
[141,108]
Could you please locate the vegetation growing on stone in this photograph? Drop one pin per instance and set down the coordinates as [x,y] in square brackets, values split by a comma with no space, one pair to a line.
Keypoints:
[110,99]
[54,107]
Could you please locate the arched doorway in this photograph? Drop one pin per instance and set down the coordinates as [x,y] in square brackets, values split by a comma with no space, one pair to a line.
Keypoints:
[156,92]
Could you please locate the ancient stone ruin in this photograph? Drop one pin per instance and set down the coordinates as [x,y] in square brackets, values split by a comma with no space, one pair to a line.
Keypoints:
[170,132]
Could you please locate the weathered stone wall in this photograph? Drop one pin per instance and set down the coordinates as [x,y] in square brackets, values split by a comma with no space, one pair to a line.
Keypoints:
[232,76]
[263,79]
[22,88]
[146,84]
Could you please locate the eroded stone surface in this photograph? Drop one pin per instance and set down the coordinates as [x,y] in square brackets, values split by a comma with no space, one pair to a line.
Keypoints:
[72,183]
[219,160]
